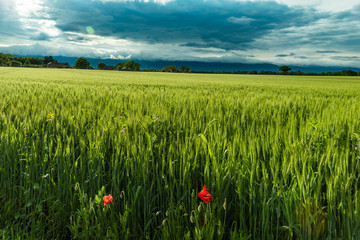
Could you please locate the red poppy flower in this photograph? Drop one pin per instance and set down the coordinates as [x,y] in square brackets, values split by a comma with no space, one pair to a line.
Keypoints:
[205,195]
[107,199]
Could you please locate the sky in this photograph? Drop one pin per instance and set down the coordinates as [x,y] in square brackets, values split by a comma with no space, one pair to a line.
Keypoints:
[302,32]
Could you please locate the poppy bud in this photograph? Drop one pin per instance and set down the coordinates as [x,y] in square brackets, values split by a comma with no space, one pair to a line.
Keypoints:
[191,216]
[199,207]
[224,205]
[158,213]
[164,222]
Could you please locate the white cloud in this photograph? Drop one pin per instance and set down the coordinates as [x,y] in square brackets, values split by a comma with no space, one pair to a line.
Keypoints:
[34,18]
[243,20]
[336,5]
[26,9]
[119,57]
[320,5]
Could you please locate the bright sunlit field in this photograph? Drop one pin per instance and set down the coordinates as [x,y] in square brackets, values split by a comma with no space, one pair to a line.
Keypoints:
[279,155]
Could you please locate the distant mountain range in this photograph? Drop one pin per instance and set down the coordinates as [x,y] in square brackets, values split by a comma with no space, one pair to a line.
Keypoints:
[207,66]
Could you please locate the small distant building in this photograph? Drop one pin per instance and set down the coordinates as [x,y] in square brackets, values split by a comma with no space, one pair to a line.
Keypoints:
[57,65]
[109,68]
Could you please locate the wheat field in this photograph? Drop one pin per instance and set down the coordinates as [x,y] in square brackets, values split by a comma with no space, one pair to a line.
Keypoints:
[280,155]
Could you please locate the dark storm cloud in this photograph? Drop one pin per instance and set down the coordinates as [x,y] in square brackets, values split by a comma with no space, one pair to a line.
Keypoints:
[285,55]
[302,57]
[41,37]
[346,58]
[203,24]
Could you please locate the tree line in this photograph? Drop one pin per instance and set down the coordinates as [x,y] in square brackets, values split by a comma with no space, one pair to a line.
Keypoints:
[125,66]
[285,70]
[8,60]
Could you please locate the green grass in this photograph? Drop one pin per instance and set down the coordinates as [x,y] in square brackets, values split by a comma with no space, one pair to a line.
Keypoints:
[278,153]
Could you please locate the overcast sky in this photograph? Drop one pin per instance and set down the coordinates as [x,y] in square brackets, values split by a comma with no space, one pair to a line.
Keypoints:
[302,32]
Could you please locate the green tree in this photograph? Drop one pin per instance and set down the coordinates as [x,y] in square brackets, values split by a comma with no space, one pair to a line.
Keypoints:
[131,65]
[82,63]
[101,66]
[185,69]
[165,69]
[27,63]
[35,61]
[348,73]
[169,69]
[15,64]
[49,59]
[3,62]
[7,57]
[284,69]
[172,68]
[119,66]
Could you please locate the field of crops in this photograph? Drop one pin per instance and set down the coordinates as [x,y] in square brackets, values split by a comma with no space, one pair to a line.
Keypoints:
[279,155]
